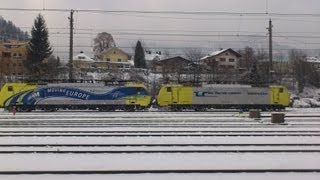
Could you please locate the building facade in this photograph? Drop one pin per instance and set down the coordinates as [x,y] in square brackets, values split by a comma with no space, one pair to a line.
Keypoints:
[314,62]
[176,64]
[82,61]
[225,59]
[12,56]
[114,58]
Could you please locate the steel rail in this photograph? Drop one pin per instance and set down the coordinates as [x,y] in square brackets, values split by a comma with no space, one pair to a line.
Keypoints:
[155,151]
[165,171]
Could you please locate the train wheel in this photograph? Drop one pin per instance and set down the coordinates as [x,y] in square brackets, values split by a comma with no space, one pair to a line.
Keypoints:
[176,108]
[49,109]
[200,109]
[106,109]
[129,108]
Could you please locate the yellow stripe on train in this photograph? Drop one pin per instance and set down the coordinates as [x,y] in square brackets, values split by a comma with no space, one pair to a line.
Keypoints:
[11,89]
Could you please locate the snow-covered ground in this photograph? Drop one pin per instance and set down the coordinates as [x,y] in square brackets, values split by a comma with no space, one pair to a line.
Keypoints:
[309,98]
[255,144]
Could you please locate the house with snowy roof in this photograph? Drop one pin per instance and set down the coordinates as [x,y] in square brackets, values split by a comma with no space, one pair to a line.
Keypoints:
[82,60]
[314,61]
[114,58]
[171,65]
[152,57]
[224,59]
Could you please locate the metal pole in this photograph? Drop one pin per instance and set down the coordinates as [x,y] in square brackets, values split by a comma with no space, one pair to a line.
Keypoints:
[71,79]
[270,51]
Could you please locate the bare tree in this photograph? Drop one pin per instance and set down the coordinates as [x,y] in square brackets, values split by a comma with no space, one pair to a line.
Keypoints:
[102,42]
[248,56]
[262,64]
[299,67]
[194,55]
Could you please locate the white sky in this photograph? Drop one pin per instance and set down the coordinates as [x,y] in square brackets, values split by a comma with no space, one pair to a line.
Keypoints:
[284,27]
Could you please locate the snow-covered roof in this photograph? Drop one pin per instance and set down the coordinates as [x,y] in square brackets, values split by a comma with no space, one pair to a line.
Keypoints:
[215,53]
[115,48]
[129,62]
[82,57]
[218,52]
[313,59]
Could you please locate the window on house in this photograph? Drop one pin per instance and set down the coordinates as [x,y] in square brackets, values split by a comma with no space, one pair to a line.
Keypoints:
[231,60]
[6,54]
[14,54]
[230,66]
[227,54]
[114,52]
[119,60]
[222,59]
[20,54]
[108,59]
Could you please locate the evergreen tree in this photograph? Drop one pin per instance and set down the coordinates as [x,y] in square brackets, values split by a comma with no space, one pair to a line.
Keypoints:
[8,31]
[38,48]
[139,57]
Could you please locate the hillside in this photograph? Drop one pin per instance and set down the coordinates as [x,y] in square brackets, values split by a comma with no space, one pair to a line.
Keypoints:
[8,31]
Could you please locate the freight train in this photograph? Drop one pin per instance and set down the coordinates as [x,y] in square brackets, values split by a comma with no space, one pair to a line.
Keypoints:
[179,97]
[50,97]
[134,96]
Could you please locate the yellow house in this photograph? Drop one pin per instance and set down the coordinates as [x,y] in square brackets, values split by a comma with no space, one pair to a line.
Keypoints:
[114,58]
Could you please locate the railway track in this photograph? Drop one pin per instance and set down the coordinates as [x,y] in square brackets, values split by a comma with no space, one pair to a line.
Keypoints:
[167,131]
[151,135]
[118,143]
[155,151]
[154,145]
[178,171]
[266,126]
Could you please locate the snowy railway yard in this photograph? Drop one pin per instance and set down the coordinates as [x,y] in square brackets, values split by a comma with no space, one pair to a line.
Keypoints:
[158,145]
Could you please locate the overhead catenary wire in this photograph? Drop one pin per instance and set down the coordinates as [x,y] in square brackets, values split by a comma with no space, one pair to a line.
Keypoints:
[224,13]
[192,15]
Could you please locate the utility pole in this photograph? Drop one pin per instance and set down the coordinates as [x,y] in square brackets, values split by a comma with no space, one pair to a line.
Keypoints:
[71,79]
[270,68]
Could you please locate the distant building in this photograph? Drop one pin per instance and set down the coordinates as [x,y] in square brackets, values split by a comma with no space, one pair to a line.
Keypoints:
[225,59]
[314,61]
[12,55]
[82,61]
[152,57]
[176,64]
[114,58]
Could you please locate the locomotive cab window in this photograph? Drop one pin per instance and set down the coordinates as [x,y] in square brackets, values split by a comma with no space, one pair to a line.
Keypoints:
[10,88]
[169,89]
[281,90]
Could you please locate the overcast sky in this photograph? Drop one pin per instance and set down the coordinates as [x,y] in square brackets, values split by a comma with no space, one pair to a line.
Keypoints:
[87,25]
